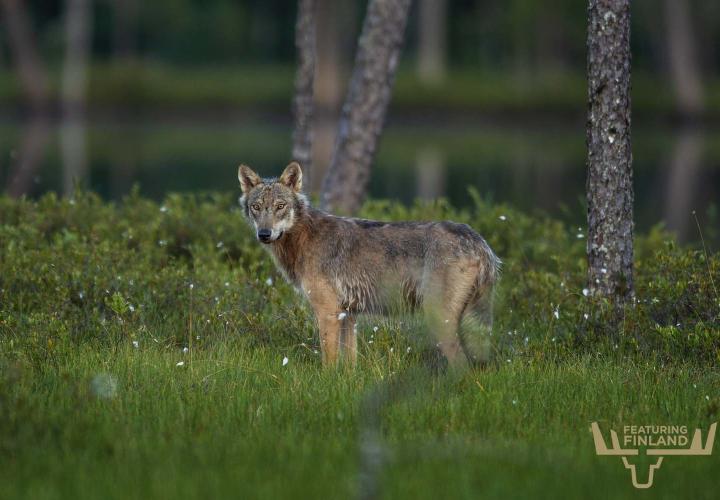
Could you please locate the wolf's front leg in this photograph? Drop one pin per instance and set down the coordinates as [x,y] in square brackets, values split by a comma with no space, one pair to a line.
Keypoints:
[329,327]
[325,304]
[348,338]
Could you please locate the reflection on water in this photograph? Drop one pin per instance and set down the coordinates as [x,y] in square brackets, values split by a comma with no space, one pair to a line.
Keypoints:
[533,168]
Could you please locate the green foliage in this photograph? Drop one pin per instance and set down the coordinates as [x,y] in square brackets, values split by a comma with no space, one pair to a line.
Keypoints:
[144,341]
[80,270]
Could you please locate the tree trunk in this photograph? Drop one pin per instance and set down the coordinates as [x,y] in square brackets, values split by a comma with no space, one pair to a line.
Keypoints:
[330,76]
[363,113]
[33,145]
[305,37]
[22,45]
[124,37]
[683,180]
[432,41]
[682,58]
[74,89]
[609,181]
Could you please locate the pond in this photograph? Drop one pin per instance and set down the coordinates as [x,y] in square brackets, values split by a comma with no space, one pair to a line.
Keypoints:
[536,167]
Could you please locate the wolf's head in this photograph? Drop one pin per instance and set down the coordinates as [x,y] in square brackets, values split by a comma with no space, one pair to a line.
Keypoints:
[272,205]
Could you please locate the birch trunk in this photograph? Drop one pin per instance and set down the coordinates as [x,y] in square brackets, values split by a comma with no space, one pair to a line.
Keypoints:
[305,40]
[363,113]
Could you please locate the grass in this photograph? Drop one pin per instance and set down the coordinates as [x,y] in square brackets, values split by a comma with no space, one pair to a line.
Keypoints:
[234,422]
[98,397]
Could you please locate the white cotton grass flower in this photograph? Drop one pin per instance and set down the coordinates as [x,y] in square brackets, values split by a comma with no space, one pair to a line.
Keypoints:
[103,386]
[136,344]
[502,218]
[269,282]
[180,363]
[285,361]
[375,329]
[342,316]
[185,350]
[586,292]
[556,312]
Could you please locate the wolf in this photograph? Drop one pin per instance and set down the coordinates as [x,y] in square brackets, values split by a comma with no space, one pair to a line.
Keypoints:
[348,266]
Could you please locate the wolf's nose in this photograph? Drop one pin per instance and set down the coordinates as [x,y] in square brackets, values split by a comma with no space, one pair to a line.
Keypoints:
[264,234]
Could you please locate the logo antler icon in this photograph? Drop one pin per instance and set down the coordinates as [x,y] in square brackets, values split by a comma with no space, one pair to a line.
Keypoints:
[696,448]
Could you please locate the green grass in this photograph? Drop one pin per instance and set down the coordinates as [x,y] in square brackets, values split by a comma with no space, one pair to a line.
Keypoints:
[235,422]
[96,308]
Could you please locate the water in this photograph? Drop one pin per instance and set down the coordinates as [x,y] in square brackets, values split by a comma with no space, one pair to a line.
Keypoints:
[533,167]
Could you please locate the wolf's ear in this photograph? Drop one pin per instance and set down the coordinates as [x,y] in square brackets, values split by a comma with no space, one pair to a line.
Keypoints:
[248,178]
[292,176]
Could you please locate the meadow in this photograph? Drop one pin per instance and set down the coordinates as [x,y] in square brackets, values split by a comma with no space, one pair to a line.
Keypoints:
[152,350]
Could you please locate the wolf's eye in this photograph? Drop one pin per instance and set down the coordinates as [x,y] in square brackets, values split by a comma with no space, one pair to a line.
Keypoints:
[256,207]
[280,206]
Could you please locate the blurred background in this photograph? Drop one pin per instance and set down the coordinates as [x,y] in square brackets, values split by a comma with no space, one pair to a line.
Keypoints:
[173,94]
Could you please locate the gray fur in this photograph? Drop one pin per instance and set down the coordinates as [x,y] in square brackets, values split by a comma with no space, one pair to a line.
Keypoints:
[347,266]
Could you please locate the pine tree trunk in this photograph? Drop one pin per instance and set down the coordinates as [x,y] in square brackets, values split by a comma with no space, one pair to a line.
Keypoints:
[682,58]
[363,113]
[22,45]
[432,43]
[305,40]
[609,181]
[74,90]
[124,28]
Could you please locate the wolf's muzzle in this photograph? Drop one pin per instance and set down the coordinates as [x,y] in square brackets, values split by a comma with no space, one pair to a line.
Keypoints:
[264,235]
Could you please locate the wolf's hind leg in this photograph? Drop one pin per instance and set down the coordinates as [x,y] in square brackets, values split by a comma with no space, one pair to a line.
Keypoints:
[446,292]
[476,327]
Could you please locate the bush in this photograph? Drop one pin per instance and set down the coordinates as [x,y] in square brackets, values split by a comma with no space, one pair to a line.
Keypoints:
[188,271]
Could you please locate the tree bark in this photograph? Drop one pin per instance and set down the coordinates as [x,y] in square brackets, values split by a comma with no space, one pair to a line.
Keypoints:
[124,27]
[609,181]
[683,180]
[303,101]
[74,90]
[363,113]
[682,58]
[432,43]
[22,45]
[334,40]
[33,145]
